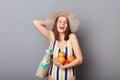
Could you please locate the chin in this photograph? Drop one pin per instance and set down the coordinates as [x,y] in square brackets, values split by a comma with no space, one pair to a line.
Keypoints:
[61,31]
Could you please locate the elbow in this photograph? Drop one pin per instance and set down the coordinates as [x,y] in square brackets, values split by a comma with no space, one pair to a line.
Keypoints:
[34,22]
[80,61]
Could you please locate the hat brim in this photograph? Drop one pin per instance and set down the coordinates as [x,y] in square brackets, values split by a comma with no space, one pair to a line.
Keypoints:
[73,19]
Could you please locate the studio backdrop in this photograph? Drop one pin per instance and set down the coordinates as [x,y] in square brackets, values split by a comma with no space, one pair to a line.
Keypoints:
[22,46]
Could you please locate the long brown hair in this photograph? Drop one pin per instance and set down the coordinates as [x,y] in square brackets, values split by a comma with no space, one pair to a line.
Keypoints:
[56,33]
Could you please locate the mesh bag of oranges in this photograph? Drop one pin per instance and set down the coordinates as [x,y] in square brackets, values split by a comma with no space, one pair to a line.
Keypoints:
[62,58]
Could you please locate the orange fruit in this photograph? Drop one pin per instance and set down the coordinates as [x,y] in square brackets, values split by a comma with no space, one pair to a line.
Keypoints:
[66,62]
[71,58]
[56,59]
[62,60]
[61,54]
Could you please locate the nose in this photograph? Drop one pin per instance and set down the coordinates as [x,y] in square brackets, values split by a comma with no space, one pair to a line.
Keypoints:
[62,23]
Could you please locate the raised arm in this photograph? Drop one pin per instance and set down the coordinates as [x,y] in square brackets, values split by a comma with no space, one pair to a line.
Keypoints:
[40,26]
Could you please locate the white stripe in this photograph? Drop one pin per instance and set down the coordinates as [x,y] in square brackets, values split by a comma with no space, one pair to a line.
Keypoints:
[54,66]
[64,69]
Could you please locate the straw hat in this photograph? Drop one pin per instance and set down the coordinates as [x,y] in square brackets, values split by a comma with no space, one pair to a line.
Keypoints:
[73,19]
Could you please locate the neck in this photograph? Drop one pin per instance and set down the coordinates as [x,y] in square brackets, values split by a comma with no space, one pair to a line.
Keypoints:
[61,35]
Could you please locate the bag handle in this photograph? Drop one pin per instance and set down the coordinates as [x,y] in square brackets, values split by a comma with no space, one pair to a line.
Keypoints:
[51,46]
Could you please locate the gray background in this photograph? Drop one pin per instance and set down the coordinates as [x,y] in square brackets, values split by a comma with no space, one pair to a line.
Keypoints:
[22,47]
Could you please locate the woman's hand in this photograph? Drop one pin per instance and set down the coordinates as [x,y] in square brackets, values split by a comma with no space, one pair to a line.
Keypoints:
[57,63]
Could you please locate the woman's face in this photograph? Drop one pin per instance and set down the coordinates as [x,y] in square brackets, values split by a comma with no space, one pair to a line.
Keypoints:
[62,24]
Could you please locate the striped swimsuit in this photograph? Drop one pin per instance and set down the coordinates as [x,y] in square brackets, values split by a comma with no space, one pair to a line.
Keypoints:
[57,73]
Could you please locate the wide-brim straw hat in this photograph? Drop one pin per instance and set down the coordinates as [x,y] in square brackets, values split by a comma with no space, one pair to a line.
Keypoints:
[73,19]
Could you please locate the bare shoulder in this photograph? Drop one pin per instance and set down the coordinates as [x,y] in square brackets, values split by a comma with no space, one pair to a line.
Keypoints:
[73,39]
[72,36]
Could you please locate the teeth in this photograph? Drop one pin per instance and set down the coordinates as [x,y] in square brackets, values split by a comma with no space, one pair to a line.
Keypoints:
[61,27]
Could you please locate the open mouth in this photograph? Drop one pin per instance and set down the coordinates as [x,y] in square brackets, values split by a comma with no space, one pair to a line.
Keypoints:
[61,27]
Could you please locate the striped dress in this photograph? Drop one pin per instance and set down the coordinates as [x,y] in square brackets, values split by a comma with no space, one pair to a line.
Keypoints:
[57,73]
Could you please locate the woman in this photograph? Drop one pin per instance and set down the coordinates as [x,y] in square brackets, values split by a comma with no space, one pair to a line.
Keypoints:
[58,28]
